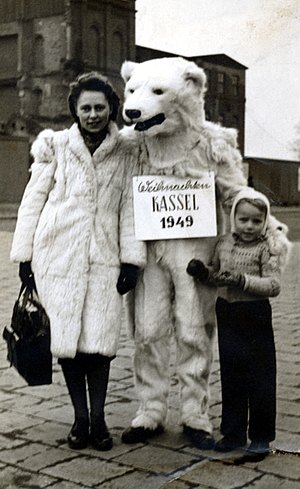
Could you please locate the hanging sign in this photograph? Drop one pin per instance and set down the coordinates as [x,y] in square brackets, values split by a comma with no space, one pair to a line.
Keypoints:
[171,207]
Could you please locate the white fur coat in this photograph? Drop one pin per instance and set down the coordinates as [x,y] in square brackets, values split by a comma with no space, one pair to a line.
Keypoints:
[75,224]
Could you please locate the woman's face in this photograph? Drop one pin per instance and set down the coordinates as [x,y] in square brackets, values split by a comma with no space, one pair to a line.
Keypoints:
[93,111]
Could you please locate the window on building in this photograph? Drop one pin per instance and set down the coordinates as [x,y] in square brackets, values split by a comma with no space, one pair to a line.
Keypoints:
[38,53]
[221,82]
[8,56]
[221,119]
[235,121]
[117,50]
[94,45]
[235,85]
[208,78]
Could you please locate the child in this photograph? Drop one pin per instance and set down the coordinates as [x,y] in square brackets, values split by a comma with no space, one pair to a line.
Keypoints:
[247,272]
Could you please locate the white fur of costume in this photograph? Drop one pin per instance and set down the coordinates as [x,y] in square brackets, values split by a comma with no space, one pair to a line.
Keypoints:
[69,220]
[165,99]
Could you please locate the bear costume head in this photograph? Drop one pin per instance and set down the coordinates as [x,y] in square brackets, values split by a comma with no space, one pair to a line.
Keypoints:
[164,95]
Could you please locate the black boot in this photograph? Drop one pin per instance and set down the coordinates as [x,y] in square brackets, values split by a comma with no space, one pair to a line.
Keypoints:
[74,374]
[97,377]
[79,435]
[100,436]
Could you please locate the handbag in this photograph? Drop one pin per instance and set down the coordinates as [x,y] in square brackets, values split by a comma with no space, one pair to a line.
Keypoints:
[28,339]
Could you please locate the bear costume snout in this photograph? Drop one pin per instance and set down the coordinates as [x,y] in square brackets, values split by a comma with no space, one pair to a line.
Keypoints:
[133,114]
[153,121]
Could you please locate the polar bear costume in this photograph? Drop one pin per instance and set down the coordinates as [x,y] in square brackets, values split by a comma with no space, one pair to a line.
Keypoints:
[164,99]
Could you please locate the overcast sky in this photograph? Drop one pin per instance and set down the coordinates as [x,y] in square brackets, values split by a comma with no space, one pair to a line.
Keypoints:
[263,35]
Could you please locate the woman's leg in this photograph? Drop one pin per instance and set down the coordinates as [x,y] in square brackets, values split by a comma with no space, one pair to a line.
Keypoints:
[74,374]
[97,377]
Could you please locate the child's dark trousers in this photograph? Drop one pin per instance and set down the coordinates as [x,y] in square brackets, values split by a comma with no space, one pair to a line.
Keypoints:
[248,369]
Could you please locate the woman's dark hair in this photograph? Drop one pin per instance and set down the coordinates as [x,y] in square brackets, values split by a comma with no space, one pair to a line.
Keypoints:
[93,81]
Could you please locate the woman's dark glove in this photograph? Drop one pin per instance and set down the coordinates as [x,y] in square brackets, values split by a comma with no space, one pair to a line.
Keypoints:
[128,278]
[198,270]
[26,274]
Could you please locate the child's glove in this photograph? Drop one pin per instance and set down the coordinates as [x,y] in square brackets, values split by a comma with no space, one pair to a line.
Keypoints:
[197,269]
[26,275]
[128,278]
[229,279]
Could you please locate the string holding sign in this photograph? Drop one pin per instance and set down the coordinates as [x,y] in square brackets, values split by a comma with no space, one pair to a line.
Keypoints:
[171,207]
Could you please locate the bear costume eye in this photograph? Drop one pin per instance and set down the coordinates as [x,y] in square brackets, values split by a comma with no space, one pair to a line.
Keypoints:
[157,91]
[131,90]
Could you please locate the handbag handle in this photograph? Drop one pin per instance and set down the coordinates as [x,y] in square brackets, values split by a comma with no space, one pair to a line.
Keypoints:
[28,293]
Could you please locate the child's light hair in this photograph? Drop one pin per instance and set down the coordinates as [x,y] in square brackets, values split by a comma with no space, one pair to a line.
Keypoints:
[258,203]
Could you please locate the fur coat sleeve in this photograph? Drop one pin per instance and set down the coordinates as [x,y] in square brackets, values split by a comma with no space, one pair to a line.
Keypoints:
[40,183]
[131,250]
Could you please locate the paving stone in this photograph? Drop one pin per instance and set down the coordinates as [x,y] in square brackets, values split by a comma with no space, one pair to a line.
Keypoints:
[27,404]
[16,422]
[287,441]
[287,423]
[289,408]
[160,460]
[272,482]
[48,458]
[56,412]
[135,480]
[218,475]
[68,485]
[288,393]
[48,433]
[89,471]
[284,465]
[34,422]
[179,484]
[9,442]
[21,453]
[16,478]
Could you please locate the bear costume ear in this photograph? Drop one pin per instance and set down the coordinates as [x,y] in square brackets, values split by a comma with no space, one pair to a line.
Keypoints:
[127,69]
[196,75]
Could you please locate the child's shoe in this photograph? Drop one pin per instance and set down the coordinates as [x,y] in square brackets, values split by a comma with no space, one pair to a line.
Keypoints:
[227,444]
[259,447]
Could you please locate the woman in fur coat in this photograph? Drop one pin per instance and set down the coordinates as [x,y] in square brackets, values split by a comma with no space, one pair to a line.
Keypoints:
[74,238]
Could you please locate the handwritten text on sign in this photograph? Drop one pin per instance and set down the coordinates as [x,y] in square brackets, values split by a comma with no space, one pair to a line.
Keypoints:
[171,207]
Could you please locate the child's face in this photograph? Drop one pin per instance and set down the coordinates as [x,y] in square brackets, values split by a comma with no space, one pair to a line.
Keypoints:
[249,221]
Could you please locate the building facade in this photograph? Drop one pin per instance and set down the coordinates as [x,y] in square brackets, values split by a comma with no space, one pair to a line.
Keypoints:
[44,44]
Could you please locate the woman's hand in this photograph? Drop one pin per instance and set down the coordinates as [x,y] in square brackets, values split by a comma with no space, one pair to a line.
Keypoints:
[26,275]
[128,278]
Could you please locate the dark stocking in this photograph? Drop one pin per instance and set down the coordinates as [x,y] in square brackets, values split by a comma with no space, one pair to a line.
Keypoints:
[74,373]
[97,378]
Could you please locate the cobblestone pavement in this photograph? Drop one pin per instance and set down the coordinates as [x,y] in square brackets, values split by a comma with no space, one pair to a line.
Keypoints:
[34,421]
